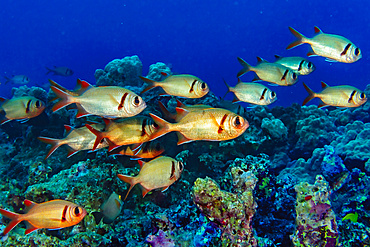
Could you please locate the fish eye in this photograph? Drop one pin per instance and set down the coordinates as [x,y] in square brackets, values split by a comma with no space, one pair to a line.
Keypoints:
[309,65]
[294,76]
[237,122]
[273,94]
[136,100]
[77,211]
[38,103]
[357,51]
[203,85]
[362,95]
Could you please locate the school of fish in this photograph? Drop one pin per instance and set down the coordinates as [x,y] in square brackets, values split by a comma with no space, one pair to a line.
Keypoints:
[123,131]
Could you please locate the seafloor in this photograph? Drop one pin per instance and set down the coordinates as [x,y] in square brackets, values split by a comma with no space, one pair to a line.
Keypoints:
[289,180]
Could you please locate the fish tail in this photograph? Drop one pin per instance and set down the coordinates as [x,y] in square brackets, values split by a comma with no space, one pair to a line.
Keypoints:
[15,219]
[49,70]
[246,68]
[66,99]
[99,135]
[300,39]
[127,179]
[163,128]
[151,83]
[7,79]
[55,143]
[228,89]
[311,94]
[166,112]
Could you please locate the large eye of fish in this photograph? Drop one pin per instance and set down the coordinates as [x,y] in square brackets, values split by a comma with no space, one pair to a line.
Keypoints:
[309,65]
[273,94]
[294,76]
[136,100]
[77,211]
[203,85]
[362,95]
[237,122]
[357,51]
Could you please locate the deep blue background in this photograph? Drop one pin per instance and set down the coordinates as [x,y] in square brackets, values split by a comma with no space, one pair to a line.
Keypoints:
[197,37]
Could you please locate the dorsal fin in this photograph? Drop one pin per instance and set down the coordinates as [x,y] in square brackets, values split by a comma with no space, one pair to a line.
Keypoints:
[141,163]
[318,30]
[278,57]
[68,129]
[179,103]
[261,60]
[324,85]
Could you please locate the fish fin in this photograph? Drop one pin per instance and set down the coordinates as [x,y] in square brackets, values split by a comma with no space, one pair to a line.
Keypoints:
[68,129]
[82,86]
[166,112]
[165,188]
[14,220]
[164,127]
[164,74]
[181,112]
[182,139]
[324,85]
[311,54]
[99,136]
[228,89]
[273,85]
[55,143]
[112,145]
[81,112]
[318,30]
[141,163]
[30,228]
[180,104]
[246,68]
[311,94]
[49,70]
[144,191]
[236,100]
[66,99]
[5,120]
[261,60]
[127,179]
[322,105]
[300,39]
[151,83]
[256,78]
[277,57]
[71,152]
[2,99]
[98,216]
[330,60]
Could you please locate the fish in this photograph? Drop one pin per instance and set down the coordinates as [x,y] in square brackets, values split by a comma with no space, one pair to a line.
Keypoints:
[77,139]
[160,172]
[270,72]
[333,47]
[62,71]
[54,214]
[21,108]
[110,209]
[187,86]
[340,96]
[147,150]
[177,117]
[251,92]
[18,79]
[214,124]
[134,130]
[299,65]
[107,101]
[351,216]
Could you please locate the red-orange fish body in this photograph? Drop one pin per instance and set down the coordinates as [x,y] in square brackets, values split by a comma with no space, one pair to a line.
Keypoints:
[148,150]
[53,214]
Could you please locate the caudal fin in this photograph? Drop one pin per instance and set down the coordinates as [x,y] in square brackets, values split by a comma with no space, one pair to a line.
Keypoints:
[66,99]
[246,68]
[300,39]
[55,143]
[166,112]
[14,220]
[311,94]
[228,89]
[99,135]
[151,83]
[127,179]
[163,127]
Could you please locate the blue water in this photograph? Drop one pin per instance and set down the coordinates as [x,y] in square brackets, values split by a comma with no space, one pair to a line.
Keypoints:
[202,38]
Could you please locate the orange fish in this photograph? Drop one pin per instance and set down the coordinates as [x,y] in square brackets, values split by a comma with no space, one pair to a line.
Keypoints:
[214,124]
[53,214]
[148,150]
[108,102]
[76,139]
[158,173]
[135,130]
[188,86]
[22,108]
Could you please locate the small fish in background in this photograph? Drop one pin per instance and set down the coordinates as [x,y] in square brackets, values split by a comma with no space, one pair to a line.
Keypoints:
[187,86]
[21,108]
[213,124]
[334,48]
[340,96]
[299,65]
[253,93]
[158,173]
[270,72]
[62,71]
[147,150]
[54,214]
[110,209]
[108,101]
[17,79]
[77,139]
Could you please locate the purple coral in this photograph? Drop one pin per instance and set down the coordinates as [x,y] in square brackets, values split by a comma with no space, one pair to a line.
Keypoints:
[160,240]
